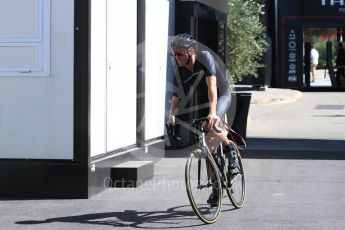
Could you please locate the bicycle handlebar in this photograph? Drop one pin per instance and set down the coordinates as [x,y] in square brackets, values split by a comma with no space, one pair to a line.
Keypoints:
[193,121]
[231,133]
[199,121]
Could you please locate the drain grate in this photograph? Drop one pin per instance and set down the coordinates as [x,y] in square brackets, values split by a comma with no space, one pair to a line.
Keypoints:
[336,115]
[330,107]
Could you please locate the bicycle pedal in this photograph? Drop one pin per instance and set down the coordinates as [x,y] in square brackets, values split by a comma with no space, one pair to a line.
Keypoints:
[213,205]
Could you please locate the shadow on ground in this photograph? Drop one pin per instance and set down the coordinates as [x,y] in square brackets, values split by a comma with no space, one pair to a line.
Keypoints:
[172,218]
[271,148]
[274,148]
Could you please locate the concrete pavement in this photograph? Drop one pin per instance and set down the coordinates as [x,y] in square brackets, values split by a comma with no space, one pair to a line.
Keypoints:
[275,96]
[300,124]
[300,189]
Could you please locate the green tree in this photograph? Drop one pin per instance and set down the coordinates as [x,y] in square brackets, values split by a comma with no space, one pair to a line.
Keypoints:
[246,38]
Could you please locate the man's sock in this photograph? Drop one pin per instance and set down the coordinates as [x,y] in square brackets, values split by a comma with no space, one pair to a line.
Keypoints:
[226,148]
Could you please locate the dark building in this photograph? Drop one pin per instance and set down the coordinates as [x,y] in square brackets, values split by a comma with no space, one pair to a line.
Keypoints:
[286,23]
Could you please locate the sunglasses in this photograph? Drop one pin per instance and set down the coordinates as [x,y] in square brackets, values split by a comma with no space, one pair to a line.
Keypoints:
[179,54]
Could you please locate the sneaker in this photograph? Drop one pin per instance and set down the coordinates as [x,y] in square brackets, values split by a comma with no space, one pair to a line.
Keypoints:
[213,199]
[233,162]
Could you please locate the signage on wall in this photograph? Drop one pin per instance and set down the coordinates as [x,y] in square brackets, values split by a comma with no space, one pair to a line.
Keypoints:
[293,57]
[292,54]
[311,7]
[332,2]
[335,3]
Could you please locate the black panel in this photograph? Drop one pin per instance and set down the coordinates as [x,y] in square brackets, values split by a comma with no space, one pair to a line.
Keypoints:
[184,14]
[208,33]
[140,135]
[205,12]
[307,48]
[81,81]
[330,64]
[200,21]
[21,179]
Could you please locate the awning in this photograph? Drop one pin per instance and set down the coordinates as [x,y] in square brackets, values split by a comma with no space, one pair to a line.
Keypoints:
[221,5]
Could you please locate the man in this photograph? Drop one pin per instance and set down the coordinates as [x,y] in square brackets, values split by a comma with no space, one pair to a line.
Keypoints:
[197,77]
[314,61]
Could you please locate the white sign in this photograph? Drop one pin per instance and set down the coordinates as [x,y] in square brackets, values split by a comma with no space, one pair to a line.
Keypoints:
[292,54]
[332,2]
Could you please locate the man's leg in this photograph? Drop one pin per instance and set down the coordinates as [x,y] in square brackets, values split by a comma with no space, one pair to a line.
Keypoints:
[313,72]
[221,136]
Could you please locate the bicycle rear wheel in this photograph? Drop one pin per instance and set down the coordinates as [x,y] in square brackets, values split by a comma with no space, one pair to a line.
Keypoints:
[202,178]
[236,184]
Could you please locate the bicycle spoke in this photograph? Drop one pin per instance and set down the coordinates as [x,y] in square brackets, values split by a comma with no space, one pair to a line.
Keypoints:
[235,182]
[200,185]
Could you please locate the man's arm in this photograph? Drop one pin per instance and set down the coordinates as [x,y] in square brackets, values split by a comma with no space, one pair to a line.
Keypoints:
[173,109]
[208,61]
[212,97]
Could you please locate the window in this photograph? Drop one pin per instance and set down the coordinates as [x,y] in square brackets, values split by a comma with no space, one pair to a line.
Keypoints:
[25,38]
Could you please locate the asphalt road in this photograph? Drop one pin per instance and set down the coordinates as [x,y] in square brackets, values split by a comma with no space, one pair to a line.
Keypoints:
[292,181]
[281,194]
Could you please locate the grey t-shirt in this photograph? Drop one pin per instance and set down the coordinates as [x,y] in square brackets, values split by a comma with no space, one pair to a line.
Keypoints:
[195,80]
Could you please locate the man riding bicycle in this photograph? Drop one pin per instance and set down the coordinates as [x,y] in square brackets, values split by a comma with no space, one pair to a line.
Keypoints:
[197,76]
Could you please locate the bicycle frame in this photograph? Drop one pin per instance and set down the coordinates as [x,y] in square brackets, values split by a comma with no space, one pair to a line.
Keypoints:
[201,144]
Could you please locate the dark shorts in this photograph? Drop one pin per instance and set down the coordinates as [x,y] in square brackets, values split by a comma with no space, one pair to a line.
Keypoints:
[223,104]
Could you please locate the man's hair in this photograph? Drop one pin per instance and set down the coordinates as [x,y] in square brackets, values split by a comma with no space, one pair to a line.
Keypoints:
[340,44]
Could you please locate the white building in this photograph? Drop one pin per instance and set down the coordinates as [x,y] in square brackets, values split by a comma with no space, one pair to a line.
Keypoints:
[81,82]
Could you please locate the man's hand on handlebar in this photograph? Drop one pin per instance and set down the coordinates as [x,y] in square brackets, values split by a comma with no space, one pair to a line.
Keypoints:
[171,119]
[212,119]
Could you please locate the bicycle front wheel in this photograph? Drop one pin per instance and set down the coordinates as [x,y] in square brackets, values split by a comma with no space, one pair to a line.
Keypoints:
[203,186]
[236,184]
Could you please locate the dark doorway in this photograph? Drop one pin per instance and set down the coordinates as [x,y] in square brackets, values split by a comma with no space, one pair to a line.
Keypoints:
[321,42]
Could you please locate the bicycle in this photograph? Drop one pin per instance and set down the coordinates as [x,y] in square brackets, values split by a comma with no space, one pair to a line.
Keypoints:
[206,172]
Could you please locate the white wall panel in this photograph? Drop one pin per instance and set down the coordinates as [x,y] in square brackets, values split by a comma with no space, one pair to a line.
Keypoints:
[18,55]
[19,18]
[25,38]
[121,81]
[157,22]
[36,113]
[98,77]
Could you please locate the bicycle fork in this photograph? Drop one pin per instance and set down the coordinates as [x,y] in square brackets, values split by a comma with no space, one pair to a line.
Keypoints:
[209,176]
[227,180]
[205,153]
